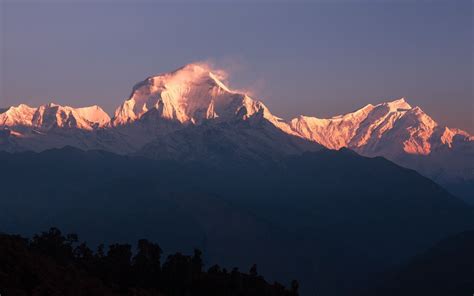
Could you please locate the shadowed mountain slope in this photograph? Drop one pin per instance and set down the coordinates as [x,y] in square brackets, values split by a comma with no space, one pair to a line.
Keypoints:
[328,218]
[447,268]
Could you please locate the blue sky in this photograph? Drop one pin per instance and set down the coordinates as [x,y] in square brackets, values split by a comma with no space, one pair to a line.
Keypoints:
[315,58]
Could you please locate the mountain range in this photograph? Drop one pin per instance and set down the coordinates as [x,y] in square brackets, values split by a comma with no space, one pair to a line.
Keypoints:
[190,114]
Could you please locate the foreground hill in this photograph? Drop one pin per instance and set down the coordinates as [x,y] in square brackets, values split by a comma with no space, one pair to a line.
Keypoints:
[328,218]
[55,264]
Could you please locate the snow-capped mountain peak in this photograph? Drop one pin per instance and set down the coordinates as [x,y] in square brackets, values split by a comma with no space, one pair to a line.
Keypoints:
[94,114]
[21,115]
[52,115]
[191,94]
[351,129]
[386,129]
[398,105]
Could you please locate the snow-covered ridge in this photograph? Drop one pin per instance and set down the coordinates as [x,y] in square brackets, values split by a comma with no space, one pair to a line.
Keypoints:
[197,93]
[46,117]
[385,129]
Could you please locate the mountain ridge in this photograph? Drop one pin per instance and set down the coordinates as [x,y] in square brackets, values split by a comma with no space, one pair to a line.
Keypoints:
[194,93]
[165,108]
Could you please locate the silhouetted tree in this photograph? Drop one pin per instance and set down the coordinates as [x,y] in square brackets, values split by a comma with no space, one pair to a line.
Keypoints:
[83,252]
[253,271]
[53,244]
[146,264]
[294,287]
[100,251]
[197,261]
[215,269]
[118,264]
[49,264]
[177,272]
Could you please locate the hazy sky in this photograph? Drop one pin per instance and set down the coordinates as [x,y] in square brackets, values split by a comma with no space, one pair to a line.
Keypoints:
[319,58]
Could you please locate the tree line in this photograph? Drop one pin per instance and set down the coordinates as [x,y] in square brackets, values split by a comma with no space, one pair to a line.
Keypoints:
[52,263]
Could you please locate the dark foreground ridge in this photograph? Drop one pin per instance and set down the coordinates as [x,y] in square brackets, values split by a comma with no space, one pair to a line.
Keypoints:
[55,264]
[331,219]
[447,268]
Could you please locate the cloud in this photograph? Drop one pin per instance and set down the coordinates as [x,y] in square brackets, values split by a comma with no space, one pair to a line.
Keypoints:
[237,74]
